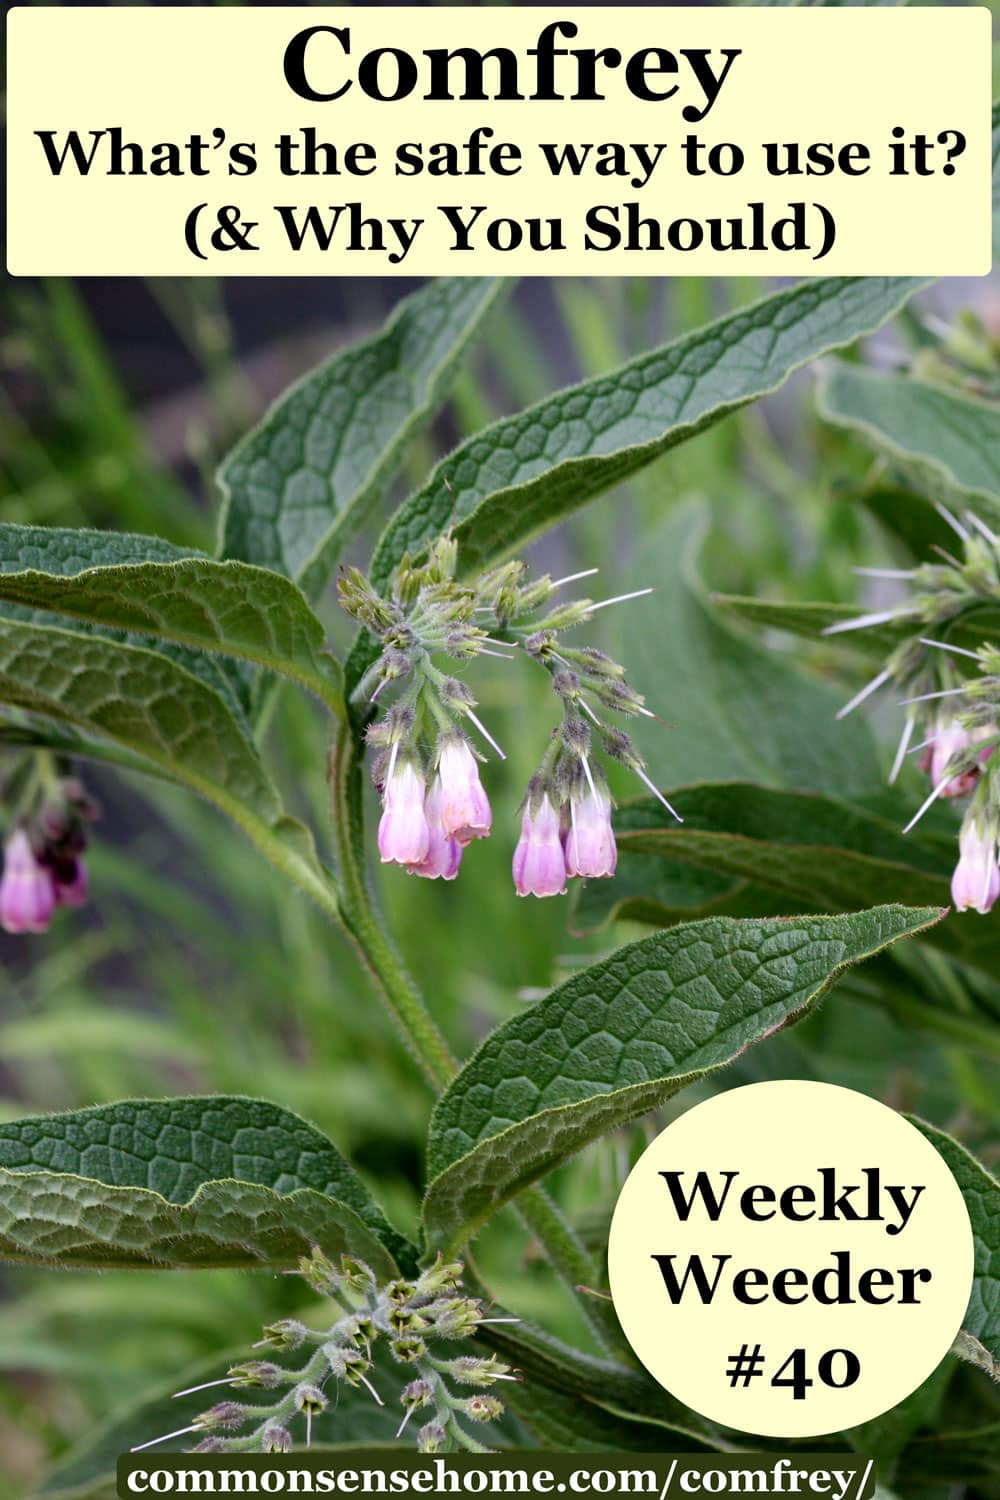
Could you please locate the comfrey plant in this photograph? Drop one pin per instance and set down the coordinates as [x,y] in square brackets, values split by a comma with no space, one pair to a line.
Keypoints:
[434,804]
[952,710]
[176,665]
[412,1318]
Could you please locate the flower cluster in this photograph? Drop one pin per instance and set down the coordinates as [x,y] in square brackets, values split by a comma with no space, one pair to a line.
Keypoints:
[433,802]
[953,708]
[411,1318]
[44,867]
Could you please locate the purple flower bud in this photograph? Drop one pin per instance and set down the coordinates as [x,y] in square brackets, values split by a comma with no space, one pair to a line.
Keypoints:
[403,835]
[71,882]
[444,854]
[27,891]
[539,863]
[976,881]
[590,840]
[465,808]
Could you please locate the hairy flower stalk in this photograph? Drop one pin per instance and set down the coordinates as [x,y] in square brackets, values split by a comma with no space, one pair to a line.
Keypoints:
[426,766]
[409,1318]
[44,866]
[952,697]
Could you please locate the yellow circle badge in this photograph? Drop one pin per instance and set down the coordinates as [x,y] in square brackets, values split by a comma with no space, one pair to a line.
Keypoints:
[790,1258]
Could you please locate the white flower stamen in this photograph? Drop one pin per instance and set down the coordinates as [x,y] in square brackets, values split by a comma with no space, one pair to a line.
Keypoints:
[866,692]
[484,732]
[657,793]
[904,741]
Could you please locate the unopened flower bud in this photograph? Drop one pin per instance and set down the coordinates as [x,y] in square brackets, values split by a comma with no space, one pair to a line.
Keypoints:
[210,1445]
[275,1439]
[442,1276]
[416,1395]
[597,663]
[431,1438]
[472,1371]
[285,1334]
[320,1272]
[257,1372]
[357,1274]
[226,1414]
[455,694]
[456,1319]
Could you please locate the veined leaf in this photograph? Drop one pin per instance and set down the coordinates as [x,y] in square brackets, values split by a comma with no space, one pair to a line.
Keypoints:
[216,1181]
[226,607]
[141,700]
[980,1338]
[948,441]
[970,629]
[528,471]
[65,552]
[623,1036]
[304,480]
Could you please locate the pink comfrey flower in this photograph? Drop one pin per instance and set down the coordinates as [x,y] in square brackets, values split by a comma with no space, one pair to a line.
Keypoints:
[976,881]
[27,890]
[444,854]
[539,863]
[403,834]
[590,841]
[948,740]
[465,807]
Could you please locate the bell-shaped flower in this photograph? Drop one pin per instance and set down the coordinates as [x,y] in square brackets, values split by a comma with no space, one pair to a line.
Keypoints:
[403,835]
[444,854]
[590,841]
[539,863]
[27,890]
[465,807]
[976,881]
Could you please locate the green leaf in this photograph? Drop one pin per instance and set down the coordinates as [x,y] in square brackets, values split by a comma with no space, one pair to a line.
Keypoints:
[814,848]
[996,178]
[622,1037]
[526,472]
[301,483]
[226,607]
[980,1339]
[736,709]
[141,700]
[945,441]
[65,552]
[970,629]
[215,1181]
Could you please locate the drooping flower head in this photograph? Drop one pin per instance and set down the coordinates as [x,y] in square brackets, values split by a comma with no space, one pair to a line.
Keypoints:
[27,890]
[539,865]
[465,807]
[404,835]
[976,882]
[444,853]
[591,851]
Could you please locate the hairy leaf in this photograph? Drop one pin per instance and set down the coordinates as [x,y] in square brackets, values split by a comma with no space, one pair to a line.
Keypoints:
[226,607]
[980,1342]
[141,700]
[182,1182]
[944,439]
[303,481]
[618,1039]
[65,552]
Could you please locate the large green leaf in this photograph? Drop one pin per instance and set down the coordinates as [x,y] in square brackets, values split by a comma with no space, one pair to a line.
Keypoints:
[618,1039]
[736,710]
[303,481]
[527,471]
[980,1338]
[66,552]
[143,701]
[946,441]
[226,607]
[216,1181]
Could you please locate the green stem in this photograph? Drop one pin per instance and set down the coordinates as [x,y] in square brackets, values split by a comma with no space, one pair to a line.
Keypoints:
[409,1012]
[566,1254]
